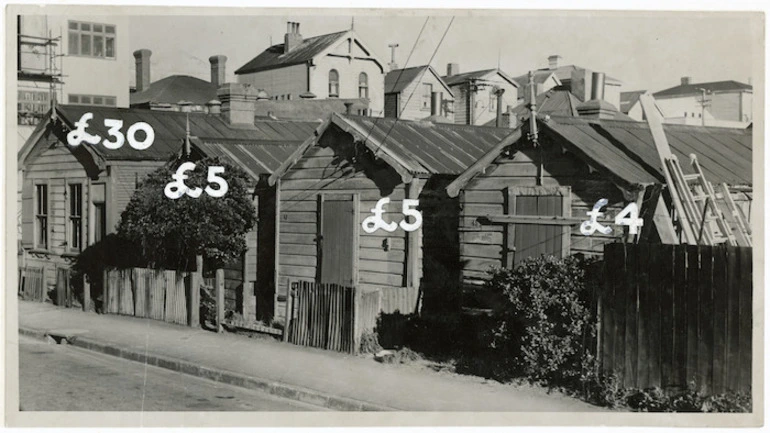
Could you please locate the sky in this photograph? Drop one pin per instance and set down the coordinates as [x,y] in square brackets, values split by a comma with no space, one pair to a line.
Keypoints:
[645,50]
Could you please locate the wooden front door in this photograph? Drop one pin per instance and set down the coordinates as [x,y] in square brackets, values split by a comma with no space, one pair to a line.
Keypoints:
[337,239]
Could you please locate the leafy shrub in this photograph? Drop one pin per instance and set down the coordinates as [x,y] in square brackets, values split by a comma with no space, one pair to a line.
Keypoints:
[545,318]
[170,233]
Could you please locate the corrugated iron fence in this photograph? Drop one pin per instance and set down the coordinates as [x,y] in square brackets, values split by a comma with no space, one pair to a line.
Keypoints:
[330,316]
[675,314]
[405,300]
[155,294]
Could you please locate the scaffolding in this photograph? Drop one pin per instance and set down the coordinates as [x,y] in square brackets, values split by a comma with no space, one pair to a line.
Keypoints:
[39,73]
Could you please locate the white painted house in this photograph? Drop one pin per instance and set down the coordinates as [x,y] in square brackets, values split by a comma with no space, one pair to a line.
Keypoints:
[335,65]
[727,103]
[417,93]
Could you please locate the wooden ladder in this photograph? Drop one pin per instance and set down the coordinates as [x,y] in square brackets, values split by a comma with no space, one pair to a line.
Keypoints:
[695,202]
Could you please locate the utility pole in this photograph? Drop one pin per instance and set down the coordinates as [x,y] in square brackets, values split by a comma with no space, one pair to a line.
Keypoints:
[393,65]
[703,104]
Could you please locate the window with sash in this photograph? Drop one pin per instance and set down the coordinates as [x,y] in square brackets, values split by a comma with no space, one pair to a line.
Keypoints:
[91,39]
[363,85]
[76,217]
[334,84]
[41,216]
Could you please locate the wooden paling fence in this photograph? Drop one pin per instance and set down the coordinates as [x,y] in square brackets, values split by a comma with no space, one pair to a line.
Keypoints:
[329,316]
[32,283]
[671,315]
[155,294]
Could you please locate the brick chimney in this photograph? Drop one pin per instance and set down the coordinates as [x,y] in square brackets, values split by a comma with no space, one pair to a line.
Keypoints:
[452,69]
[580,84]
[553,61]
[292,38]
[238,103]
[686,81]
[218,70]
[142,69]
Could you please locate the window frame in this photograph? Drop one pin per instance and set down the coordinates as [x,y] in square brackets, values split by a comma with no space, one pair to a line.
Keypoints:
[334,84]
[87,31]
[75,219]
[42,222]
[76,98]
[363,85]
[426,98]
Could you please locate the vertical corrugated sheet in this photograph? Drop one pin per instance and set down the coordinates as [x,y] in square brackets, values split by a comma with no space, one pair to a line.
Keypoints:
[402,299]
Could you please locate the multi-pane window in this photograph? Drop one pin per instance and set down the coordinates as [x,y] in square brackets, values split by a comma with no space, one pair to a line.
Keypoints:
[427,90]
[91,39]
[334,84]
[363,85]
[76,216]
[41,216]
[107,101]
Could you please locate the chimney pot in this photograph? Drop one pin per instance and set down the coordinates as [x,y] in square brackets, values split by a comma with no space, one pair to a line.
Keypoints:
[348,108]
[452,69]
[597,85]
[553,61]
[686,81]
[142,69]
[435,103]
[218,70]
[214,107]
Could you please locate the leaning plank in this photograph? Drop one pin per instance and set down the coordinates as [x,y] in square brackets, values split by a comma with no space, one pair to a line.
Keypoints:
[140,291]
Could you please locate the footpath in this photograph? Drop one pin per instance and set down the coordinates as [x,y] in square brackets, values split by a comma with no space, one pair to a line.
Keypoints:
[323,378]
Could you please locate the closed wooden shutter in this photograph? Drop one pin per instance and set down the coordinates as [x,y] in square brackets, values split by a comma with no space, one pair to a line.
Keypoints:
[28,214]
[534,240]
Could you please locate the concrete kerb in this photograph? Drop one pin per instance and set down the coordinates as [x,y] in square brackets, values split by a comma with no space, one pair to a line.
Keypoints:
[279,389]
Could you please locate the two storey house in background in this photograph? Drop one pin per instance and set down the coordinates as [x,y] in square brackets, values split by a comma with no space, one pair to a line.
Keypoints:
[718,103]
[418,93]
[332,66]
[477,94]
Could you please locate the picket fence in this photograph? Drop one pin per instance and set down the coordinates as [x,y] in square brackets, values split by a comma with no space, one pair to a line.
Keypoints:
[330,316]
[671,315]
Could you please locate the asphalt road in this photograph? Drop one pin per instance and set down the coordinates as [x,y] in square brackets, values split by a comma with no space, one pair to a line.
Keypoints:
[65,378]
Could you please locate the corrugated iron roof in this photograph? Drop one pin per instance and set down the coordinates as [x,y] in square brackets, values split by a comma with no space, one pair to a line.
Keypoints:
[169,128]
[175,88]
[557,101]
[256,157]
[714,86]
[595,147]
[539,77]
[399,79]
[426,147]
[274,57]
[725,154]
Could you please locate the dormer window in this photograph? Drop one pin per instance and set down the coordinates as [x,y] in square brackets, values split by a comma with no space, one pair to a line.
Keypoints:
[334,84]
